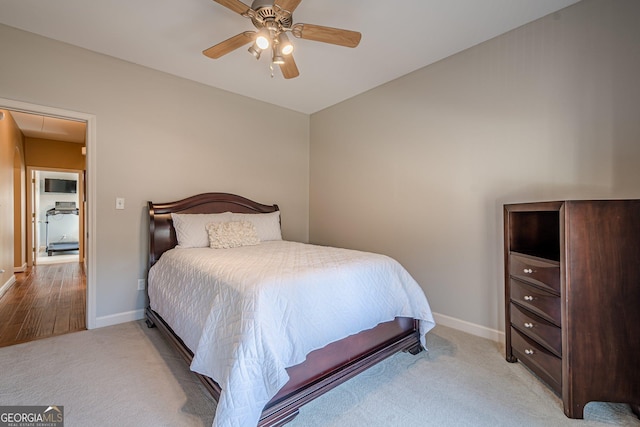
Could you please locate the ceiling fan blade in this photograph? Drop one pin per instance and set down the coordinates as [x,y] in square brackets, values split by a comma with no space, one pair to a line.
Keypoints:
[289,68]
[326,34]
[235,42]
[236,5]
[287,5]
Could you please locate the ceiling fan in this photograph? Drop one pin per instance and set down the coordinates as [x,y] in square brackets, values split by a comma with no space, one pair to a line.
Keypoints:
[273,19]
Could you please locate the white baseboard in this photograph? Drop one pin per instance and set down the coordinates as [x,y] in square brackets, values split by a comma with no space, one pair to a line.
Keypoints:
[114,319]
[7,285]
[20,269]
[468,327]
[441,319]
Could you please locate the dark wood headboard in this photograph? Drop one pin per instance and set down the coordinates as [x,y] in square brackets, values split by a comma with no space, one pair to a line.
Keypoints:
[162,235]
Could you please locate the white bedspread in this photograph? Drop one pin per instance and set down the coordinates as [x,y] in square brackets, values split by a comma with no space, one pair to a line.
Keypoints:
[248,313]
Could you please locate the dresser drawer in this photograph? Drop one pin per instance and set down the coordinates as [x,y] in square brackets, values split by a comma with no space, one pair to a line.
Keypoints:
[535,270]
[540,360]
[541,303]
[545,333]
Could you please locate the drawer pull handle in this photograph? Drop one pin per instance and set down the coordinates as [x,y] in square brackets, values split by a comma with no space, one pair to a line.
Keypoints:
[528,271]
[528,298]
[528,325]
[529,351]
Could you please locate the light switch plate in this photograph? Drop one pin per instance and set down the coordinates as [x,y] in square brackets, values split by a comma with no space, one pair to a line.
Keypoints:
[119,202]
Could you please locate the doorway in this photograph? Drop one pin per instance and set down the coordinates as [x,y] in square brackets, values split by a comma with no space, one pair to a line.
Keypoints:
[47,299]
[86,221]
[57,212]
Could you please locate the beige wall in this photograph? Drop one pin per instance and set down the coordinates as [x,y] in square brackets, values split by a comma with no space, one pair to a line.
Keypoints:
[11,146]
[419,168]
[160,138]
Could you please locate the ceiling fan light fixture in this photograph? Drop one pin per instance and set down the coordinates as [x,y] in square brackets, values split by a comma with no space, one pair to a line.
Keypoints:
[255,50]
[263,39]
[286,48]
[272,20]
[277,58]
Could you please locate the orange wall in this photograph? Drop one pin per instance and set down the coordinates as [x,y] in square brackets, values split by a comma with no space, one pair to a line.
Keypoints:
[11,145]
[19,208]
[54,154]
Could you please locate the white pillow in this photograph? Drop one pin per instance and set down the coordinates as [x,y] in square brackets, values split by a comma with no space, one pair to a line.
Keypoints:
[191,229]
[225,235]
[267,224]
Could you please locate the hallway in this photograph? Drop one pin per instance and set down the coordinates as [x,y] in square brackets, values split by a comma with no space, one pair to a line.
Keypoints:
[46,300]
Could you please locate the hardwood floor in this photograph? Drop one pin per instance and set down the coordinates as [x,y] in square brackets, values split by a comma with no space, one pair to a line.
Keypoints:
[46,300]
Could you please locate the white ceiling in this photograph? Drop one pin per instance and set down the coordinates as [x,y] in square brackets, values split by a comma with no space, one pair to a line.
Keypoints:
[170,35]
[38,126]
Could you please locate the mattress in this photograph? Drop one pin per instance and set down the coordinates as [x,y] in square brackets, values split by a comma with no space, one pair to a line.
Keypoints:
[248,313]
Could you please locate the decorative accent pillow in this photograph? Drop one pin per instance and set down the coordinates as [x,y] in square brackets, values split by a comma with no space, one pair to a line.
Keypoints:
[191,229]
[225,235]
[267,224]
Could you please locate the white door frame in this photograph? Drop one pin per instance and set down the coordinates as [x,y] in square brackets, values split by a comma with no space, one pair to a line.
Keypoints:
[33,210]
[90,212]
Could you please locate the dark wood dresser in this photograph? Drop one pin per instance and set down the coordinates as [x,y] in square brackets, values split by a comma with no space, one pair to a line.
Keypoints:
[572,297]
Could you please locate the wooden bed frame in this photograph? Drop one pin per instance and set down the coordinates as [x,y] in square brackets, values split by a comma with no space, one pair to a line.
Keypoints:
[323,369]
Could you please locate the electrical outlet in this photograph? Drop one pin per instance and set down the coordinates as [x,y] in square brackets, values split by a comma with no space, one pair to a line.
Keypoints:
[141,284]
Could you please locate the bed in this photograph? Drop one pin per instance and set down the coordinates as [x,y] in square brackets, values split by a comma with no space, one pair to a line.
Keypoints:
[199,314]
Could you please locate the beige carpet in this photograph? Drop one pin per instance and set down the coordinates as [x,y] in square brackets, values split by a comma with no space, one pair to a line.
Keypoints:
[127,375]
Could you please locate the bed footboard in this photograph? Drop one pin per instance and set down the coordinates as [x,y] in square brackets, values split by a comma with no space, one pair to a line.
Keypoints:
[323,369]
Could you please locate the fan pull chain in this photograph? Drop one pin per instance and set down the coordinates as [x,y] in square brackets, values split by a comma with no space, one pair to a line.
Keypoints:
[271,68]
